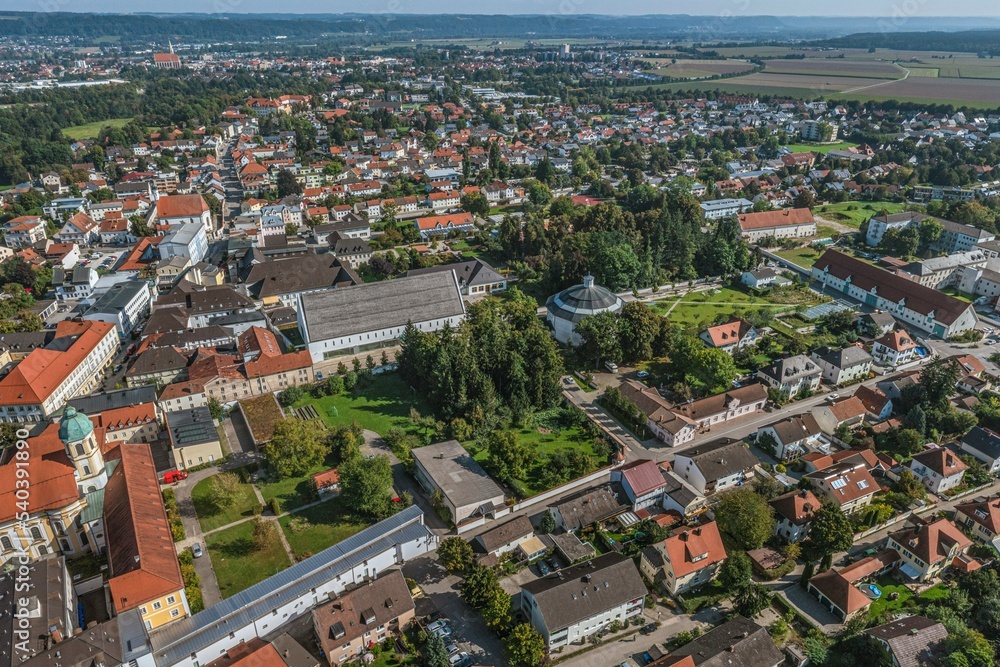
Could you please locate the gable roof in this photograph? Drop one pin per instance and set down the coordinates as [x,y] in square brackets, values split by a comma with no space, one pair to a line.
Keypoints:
[141,556]
[984,511]
[721,458]
[913,641]
[361,610]
[839,588]
[738,642]
[181,206]
[795,428]
[643,476]
[847,480]
[693,549]
[796,506]
[506,533]
[896,289]
[931,541]
[585,590]
[713,405]
[942,461]
[730,333]
[774,219]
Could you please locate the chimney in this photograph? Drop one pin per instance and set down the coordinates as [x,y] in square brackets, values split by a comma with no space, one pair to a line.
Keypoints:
[588,282]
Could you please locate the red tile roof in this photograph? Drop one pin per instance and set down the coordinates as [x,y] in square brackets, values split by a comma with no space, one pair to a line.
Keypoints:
[180,206]
[688,544]
[50,474]
[141,555]
[773,219]
[730,333]
[643,476]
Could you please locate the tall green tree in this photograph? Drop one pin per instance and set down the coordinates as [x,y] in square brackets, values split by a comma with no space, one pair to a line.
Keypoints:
[365,486]
[830,530]
[525,647]
[746,518]
[296,446]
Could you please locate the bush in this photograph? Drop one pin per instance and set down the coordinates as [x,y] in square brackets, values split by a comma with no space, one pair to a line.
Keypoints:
[275,506]
[290,395]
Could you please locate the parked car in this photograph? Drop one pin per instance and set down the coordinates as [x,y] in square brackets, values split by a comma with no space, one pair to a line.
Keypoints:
[452,648]
[196,550]
[443,632]
[459,660]
[554,564]
[611,366]
[648,628]
[117,368]
[172,476]
[543,569]
[442,623]
[642,375]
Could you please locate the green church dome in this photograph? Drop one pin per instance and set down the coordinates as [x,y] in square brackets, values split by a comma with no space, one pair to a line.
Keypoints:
[74,426]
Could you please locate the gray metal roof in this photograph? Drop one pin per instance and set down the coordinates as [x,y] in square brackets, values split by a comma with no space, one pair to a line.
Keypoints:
[180,639]
[578,301]
[461,479]
[113,400]
[118,297]
[349,311]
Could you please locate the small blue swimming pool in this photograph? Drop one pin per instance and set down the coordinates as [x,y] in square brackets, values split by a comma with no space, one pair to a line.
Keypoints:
[922,351]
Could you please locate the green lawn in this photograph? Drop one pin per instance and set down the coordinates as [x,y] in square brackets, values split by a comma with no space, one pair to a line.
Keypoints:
[545,444]
[291,492]
[889,585]
[804,256]
[327,524]
[820,148]
[951,291]
[237,564]
[854,214]
[385,403]
[211,517]
[697,308]
[90,130]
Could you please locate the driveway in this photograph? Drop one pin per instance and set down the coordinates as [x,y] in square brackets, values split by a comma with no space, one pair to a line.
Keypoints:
[442,590]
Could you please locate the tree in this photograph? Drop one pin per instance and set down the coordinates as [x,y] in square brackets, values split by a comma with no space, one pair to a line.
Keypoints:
[547,524]
[909,486]
[751,599]
[478,585]
[455,554]
[508,456]
[215,408]
[435,652]
[525,647]
[296,446]
[365,485]
[736,570]
[640,332]
[225,490]
[264,534]
[290,395]
[600,337]
[930,232]
[805,199]
[746,518]
[939,379]
[287,185]
[476,204]
[496,608]
[830,530]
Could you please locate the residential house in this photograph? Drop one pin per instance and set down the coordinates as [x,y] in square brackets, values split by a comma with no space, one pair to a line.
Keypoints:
[842,367]
[939,469]
[779,224]
[670,427]
[983,444]
[847,484]
[790,437]
[876,324]
[74,285]
[913,641]
[794,512]
[24,231]
[468,493]
[506,537]
[839,592]
[716,465]
[928,548]
[717,209]
[848,411]
[182,210]
[642,481]
[361,617]
[711,410]
[581,600]
[124,305]
[731,336]
[878,406]
[475,277]
[285,281]
[760,278]
[587,509]
[739,642]
[689,558]
[792,376]
[185,240]
[80,229]
[981,518]
[353,251]
[895,348]
[444,224]
[921,307]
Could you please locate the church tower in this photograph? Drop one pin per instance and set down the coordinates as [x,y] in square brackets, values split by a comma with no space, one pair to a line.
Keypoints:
[77,435]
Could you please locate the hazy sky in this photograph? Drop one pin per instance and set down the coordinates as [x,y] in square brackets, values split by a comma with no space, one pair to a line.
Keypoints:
[898,8]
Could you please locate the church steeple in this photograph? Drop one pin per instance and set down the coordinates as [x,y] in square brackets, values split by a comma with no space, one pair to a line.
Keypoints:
[76,432]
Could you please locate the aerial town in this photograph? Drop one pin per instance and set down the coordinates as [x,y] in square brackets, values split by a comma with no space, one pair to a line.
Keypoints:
[453,352]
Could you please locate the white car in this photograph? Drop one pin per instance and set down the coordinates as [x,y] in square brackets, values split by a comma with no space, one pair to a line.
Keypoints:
[444,632]
[459,659]
[442,623]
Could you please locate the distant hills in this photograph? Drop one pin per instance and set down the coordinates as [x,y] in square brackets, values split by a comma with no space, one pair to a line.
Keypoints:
[366,28]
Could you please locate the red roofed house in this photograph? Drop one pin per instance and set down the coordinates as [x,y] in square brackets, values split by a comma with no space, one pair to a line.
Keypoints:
[643,483]
[71,365]
[444,224]
[24,230]
[981,517]
[687,559]
[782,223]
[894,348]
[143,570]
[80,229]
[848,484]
[928,548]
[734,335]
[181,210]
[841,593]
[794,512]
[166,61]
[939,469]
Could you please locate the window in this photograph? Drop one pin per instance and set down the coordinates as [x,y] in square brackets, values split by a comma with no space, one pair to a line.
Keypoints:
[171,600]
[174,613]
[157,605]
[36,532]
[6,544]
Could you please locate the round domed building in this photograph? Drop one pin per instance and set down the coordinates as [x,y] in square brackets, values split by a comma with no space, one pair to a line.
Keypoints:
[575,303]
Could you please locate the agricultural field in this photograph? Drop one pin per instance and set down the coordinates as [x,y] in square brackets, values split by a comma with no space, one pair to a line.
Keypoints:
[772,52]
[823,149]
[838,68]
[696,69]
[972,92]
